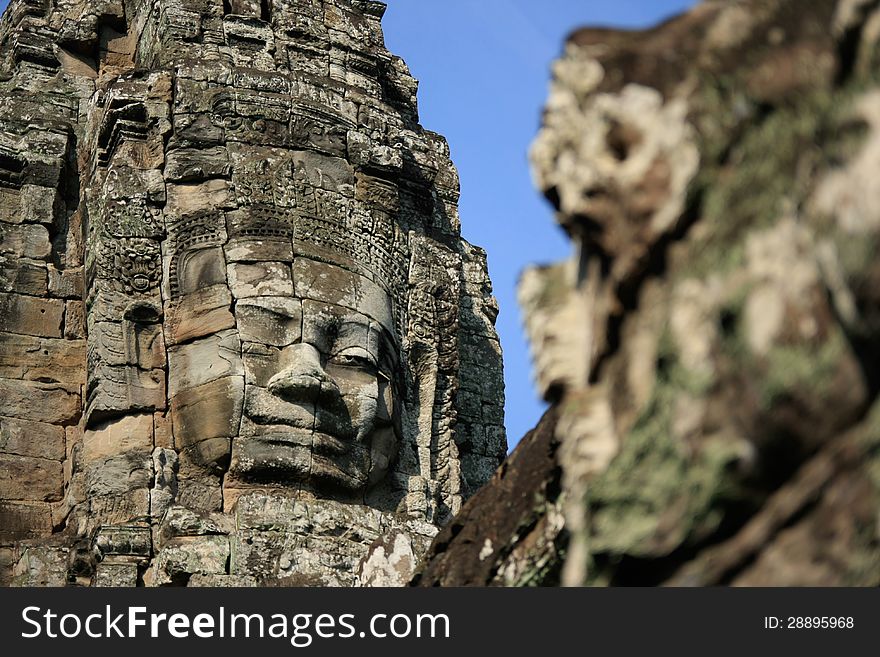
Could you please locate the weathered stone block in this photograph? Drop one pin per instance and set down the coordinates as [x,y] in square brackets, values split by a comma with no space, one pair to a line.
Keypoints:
[252,457]
[260,279]
[132,433]
[42,359]
[270,321]
[184,521]
[256,510]
[112,302]
[368,154]
[391,561]
[477,438]
[74,320]
[66,283]
[24,241]
[496,441]
[28,478]
[28,438]
[245,8]
[122,390]
[127,343]
[222,581]
[116,508]
[163,435]
[477,469]
[338,287]
[319,561]
[261,363]
[24,520]
[195,129]
[23,276]
[119,475]
[255,554]
[248,249]
[123,541]
[186,164]
[200,313]
[204,492]
[41,566]
[73,438]
[39,204]
[485,353]
[493,413]
[185,556]
[42,402]
[210,195]
[31,316]
[116,575]
[469,405]
[209,412]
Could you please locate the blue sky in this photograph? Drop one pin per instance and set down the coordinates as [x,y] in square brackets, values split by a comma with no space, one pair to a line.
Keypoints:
[484,69]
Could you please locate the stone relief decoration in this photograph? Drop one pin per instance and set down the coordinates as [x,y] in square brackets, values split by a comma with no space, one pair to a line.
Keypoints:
[288,354]
[433,349]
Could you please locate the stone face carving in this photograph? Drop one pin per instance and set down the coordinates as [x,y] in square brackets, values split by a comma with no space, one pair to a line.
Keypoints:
[281,329]
[321,410]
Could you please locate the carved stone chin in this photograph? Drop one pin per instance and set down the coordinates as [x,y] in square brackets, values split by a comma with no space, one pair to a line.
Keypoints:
[260,302]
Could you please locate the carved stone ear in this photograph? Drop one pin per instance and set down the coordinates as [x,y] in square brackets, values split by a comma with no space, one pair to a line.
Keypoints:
[383,453]
[433,355]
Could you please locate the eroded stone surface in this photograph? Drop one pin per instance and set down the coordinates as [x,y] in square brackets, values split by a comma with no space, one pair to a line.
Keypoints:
[231,274]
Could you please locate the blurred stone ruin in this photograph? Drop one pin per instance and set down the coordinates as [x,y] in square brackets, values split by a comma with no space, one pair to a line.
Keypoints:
[711,352]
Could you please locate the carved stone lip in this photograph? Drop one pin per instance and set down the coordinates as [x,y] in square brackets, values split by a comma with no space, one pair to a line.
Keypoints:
[301,419]
[302,422]
[263,408]
[330,445]
[285,438]
[321,443]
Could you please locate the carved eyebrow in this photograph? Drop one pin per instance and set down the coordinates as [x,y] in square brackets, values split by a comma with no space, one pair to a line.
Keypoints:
[350,331]
[267,307]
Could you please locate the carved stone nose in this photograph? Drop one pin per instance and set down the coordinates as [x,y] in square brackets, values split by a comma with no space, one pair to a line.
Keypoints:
[302,375]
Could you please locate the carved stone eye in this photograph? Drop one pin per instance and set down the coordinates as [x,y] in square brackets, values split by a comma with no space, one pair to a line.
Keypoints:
[355,359]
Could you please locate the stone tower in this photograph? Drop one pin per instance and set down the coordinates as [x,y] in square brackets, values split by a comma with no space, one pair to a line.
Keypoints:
[241,338]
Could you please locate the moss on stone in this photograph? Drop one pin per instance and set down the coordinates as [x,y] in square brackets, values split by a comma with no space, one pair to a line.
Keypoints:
[805,366]
[626,502]
[655,475]
[767,172]
[857,253]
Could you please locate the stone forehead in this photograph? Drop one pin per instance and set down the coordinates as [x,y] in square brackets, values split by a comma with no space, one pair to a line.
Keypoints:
[337,286]
[371,244]
[286,274]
